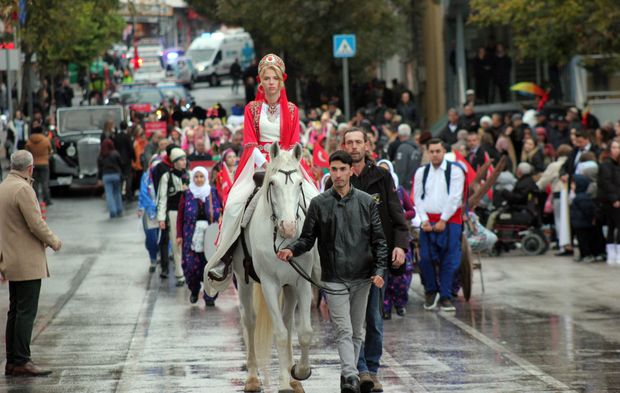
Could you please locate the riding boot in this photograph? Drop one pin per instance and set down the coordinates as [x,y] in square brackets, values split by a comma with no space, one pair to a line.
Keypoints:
[220,271]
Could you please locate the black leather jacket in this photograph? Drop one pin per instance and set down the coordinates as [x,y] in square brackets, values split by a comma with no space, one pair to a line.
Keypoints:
[350,237]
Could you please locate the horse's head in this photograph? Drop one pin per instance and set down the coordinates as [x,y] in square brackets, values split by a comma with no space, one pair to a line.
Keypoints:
[283,182]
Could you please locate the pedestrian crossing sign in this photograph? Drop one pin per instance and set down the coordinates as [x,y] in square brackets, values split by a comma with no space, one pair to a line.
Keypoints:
[344,45]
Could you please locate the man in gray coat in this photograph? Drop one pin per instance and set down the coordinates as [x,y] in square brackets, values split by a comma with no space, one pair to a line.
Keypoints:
[407,158]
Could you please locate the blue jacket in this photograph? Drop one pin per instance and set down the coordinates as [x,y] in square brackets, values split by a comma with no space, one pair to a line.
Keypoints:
[146,198]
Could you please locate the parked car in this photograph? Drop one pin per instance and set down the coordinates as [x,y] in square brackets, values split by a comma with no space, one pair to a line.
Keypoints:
[78,140]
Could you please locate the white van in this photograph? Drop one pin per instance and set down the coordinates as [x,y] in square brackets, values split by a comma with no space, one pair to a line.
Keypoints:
[213,53]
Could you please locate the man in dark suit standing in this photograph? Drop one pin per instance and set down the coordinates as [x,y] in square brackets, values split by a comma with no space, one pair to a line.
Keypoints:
[475,152]
[582,145]
[448,134]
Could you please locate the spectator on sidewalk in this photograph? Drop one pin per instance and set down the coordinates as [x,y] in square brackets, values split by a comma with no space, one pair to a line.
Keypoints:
[24,235]
[41,149]
[110,172]
[582,220]
[449,132]
[408,157]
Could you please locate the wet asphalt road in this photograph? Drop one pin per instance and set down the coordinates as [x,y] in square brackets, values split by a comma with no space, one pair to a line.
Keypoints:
[106,325]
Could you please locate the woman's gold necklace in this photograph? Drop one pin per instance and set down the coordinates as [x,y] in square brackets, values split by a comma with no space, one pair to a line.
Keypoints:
[272,111]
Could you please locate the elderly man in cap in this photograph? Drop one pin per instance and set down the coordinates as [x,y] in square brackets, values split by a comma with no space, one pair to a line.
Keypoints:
[23,239]
[407,158]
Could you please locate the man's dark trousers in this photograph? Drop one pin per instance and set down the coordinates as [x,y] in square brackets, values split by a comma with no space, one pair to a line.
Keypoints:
[24,301]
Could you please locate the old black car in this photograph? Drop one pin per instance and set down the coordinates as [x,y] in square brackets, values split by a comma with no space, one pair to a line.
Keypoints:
[79,130]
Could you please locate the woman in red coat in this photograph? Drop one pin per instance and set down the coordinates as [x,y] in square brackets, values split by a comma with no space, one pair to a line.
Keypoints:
[267,120]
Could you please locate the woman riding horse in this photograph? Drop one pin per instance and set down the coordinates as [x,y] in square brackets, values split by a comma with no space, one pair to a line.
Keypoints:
[269,119]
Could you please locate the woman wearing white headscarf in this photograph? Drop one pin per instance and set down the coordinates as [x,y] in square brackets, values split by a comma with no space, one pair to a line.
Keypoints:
[199,207]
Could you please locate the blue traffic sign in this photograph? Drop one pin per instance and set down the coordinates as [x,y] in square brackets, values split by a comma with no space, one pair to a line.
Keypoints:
[344,45]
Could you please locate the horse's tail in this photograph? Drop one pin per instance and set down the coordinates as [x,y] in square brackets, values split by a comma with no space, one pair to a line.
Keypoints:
[263,332]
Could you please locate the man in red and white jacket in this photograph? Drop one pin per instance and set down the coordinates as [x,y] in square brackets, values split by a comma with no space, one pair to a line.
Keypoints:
[438,194]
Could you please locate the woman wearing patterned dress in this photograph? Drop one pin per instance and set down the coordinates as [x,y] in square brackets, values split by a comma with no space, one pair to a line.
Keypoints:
[397,289]
[199,207]
[267,120]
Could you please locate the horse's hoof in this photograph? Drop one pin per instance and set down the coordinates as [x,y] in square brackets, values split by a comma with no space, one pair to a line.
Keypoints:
[297,388]
[300,377]
[252,385]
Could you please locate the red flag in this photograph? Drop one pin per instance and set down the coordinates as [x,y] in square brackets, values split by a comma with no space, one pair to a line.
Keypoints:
[471,173]
[320,157]
[489,173]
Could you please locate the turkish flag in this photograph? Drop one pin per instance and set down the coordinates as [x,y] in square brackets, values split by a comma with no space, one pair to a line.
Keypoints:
[320,157]
[470,174]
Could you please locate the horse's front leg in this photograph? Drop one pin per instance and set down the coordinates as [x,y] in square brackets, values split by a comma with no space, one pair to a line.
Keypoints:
[271,292]
[302,369]
[248,319]
[288,315]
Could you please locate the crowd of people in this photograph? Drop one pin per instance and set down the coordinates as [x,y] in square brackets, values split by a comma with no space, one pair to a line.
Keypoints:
[187,179]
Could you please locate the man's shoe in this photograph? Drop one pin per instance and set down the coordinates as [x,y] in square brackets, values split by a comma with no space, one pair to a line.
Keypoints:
[8,369]
[209,303]
[193,298]
[163,275]
[401,311]
[431,300]
[219,272]
[350,385]
[446,304]
[565,253]
[378,387]
[387,316]
[29,370]
[180,282]
[588,259]
[366,383]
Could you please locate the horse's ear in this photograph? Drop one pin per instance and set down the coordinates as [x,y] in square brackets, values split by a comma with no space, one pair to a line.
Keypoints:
[297,152]
[274,151]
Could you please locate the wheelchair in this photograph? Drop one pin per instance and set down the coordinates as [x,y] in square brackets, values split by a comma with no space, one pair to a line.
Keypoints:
[521,226]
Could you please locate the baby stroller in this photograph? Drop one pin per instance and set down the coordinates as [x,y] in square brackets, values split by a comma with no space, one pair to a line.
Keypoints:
[522,225]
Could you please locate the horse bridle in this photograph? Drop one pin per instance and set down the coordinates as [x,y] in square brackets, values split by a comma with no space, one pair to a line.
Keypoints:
[292,262]
[274,219]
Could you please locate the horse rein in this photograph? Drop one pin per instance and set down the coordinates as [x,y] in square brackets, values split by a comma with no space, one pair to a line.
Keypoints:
[294,264]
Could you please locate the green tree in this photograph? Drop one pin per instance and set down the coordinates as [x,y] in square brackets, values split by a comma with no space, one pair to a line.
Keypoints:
[66,31]
[302,30]
[554,29]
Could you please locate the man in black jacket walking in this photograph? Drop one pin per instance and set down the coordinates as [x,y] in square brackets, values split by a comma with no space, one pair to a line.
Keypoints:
[352,249]
[377,182]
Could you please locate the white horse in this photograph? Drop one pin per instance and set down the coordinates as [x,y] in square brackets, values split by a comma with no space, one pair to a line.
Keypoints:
[268,309]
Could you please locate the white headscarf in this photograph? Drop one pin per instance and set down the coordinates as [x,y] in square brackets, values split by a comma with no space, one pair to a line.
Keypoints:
[203,192]
[392,172]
